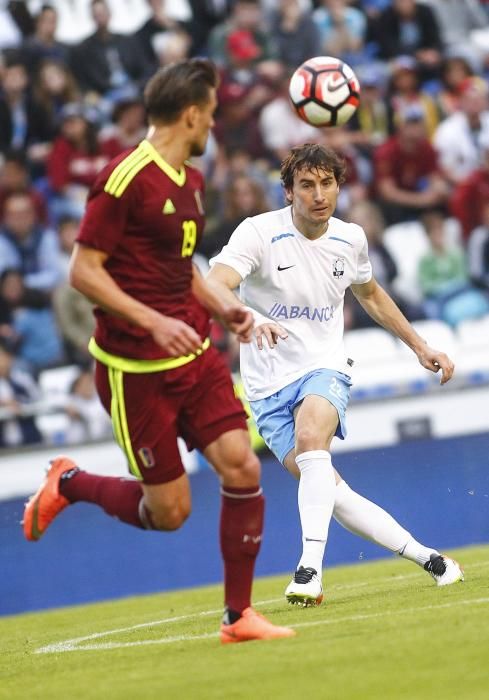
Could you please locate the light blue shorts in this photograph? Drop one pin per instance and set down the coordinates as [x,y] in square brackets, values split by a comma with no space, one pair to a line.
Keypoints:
[274,416]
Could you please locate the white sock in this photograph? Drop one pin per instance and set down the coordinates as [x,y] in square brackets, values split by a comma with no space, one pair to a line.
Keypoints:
[316,496]
[363,517]
[417,552]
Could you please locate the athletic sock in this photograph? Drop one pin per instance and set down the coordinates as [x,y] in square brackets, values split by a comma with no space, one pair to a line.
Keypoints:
[120,498]
[363,517]
[316,497]
[241,528]
[417,552]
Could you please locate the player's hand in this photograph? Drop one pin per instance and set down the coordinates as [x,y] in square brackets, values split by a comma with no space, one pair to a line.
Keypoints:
[271,331]
[239,321]
[175,336]
[434,360]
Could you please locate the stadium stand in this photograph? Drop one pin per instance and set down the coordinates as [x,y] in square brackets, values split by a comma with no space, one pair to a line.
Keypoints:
[398,77]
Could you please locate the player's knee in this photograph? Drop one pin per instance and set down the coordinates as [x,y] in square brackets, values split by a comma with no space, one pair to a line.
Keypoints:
[169,519]
[307,439]
[243,469]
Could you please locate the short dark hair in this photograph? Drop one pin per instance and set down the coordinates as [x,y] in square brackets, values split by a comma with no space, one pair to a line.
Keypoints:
[177,86]
[311,156]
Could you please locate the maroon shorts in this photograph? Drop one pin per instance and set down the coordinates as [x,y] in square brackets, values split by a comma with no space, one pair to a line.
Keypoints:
[149,411]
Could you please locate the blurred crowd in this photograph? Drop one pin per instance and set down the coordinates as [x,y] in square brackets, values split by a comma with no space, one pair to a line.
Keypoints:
[417,151]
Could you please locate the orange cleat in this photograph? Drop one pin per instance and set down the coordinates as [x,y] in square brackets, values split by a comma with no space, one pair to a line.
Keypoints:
[42,508]
[251,625]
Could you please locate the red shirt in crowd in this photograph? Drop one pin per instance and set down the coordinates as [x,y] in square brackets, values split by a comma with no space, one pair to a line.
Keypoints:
[68,165]
[408,169]
[469,199]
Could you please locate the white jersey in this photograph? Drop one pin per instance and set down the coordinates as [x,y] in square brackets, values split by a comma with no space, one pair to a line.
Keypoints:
[299,283]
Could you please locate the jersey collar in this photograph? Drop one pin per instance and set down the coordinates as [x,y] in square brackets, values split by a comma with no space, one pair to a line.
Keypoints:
[178,178]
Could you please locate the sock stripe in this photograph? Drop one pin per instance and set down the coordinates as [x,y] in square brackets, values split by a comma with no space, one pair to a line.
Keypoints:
[241,495]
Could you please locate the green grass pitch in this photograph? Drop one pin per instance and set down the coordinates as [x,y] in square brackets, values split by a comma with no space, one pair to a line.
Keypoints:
[384,631]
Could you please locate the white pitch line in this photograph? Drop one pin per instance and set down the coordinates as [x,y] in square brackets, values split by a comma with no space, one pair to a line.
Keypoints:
[73,644]
[70,645]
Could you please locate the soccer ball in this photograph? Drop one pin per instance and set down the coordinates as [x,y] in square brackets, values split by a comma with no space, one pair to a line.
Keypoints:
[324,91]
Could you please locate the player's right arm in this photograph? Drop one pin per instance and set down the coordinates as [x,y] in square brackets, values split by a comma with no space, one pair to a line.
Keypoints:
[223,279]
[89,276]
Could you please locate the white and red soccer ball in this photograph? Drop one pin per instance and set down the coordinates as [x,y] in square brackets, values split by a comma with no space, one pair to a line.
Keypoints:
[324,91]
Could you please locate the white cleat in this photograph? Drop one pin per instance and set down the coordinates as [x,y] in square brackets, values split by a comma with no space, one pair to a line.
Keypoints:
[444,570]
[305,589]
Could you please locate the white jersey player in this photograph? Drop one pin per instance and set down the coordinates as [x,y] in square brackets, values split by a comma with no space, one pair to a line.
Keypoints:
[293,267]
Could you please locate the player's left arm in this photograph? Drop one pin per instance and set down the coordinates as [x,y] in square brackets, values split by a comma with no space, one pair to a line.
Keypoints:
[222,304]
[382,308]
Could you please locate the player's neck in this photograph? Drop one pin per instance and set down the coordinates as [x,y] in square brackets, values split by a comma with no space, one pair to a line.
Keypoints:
[170,146]
[309,229]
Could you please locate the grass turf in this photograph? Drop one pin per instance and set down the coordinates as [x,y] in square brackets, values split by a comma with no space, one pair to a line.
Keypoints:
[384,631]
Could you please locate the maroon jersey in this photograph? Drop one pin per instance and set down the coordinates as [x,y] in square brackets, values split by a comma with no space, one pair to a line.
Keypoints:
[148,218]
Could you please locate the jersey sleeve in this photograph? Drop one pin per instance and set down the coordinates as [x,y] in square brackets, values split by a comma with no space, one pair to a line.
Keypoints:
[364,266]
[244,250]
[105,218]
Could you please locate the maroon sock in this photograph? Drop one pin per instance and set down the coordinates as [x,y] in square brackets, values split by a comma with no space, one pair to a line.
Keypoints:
[240,532]
[119,497]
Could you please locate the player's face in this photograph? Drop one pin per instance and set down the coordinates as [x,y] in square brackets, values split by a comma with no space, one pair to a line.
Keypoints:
[313,196]
[204,121]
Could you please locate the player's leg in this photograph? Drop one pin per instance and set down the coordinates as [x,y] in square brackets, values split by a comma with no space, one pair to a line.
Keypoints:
[241,527]
[162,502]
[316,420]
[215,422]
[368,520]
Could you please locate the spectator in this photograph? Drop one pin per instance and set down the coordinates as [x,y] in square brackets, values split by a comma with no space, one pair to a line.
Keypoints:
[246,16]
[23,123]
[74,162]
[478,251]
[42,45]
[409,28]
[342,30]
[74,313]
[454,71]
[470,196]
[206,16]
[404,91]
[296,33]
[32,329]
[105,63]
[54,89]
[457,138]
[157,24]
[242,93]
[443,277]
[27,246]
[14,177]
[17,390]
[127,129]
[88,419]
[407,181]
[243,197]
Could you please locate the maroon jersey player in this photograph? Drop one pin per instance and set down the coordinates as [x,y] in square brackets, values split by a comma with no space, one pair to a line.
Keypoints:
[156,372]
